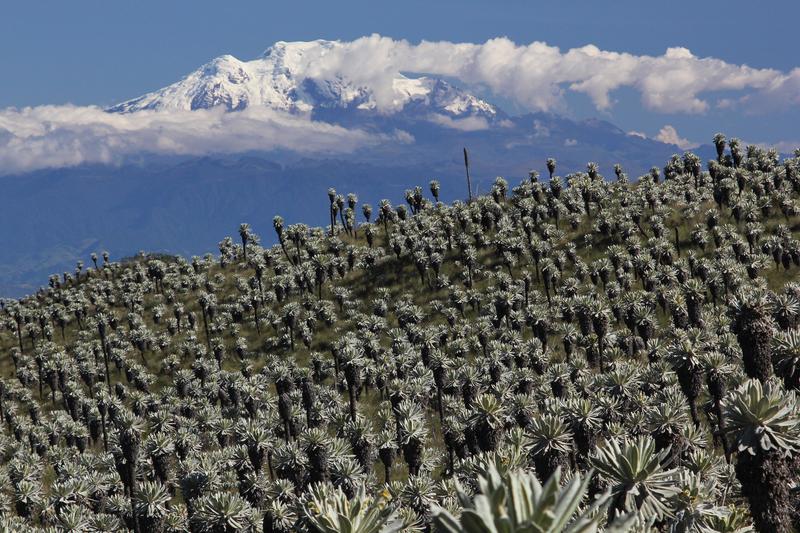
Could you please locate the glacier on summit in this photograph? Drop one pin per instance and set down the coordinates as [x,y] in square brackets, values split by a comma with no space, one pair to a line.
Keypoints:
[284,79]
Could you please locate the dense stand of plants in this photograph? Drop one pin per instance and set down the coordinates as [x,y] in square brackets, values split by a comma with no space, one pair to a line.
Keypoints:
[571,354]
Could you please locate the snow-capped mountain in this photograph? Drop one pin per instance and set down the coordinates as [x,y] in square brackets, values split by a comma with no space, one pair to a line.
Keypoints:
[278,80]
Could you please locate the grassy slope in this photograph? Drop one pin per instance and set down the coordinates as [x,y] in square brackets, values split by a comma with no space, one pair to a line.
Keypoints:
[398,278]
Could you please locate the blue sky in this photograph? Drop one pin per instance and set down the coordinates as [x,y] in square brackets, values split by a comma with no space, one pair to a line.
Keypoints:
[102,52]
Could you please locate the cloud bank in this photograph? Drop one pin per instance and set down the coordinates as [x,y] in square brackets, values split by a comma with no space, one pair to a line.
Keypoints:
[461,124]
[537,75]
[58,136]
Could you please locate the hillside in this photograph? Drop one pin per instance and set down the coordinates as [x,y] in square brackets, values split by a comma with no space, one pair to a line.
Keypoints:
[185,205]
[418,365]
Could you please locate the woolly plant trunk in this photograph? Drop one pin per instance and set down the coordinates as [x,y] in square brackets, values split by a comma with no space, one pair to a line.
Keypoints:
[766,483]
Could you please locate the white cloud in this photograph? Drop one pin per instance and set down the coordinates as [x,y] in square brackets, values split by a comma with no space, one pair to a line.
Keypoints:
[537,75]
[669,135]
[470,123]
[402,137]
[540,130]
[570,142]
[56,136]
[783,91]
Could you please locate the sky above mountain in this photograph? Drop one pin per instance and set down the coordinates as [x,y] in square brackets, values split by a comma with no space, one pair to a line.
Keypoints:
[673,71]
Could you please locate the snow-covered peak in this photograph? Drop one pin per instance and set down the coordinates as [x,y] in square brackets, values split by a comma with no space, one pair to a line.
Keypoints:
[293,54]
[224,81]
[280,80]
[447,97]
